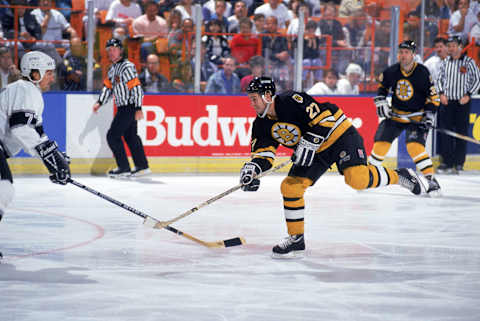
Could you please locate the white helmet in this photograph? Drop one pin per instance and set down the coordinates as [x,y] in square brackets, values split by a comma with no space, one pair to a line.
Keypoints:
[36,60]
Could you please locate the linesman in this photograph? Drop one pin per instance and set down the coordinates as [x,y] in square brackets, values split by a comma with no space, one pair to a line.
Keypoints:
[414,104]
[122,81]
[459,78]
[321,135]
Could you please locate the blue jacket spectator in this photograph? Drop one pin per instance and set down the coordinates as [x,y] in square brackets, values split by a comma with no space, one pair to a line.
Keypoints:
[224,81]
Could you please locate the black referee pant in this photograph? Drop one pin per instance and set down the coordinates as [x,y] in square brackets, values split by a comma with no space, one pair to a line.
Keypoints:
[124,124]
[454,117]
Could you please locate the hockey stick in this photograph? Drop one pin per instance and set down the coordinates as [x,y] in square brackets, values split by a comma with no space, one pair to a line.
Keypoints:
[150,221]
[162,224]
[442,130]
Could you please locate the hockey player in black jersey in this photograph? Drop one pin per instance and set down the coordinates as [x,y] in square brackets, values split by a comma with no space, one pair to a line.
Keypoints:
[414,104]
[320,135]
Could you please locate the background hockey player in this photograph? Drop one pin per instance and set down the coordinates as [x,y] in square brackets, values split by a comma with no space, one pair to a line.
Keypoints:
[321,135]
[21,108]
[414,104]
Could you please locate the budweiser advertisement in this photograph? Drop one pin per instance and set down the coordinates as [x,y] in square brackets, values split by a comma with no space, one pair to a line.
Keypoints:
[219,126]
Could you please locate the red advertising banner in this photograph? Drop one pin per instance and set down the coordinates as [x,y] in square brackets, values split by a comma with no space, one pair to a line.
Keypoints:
[219,126]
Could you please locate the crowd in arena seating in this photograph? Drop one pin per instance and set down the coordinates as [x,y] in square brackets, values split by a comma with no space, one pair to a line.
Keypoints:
[345,44]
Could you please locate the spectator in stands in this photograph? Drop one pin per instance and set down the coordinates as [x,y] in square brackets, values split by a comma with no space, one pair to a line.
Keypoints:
[73,70]
[433,63]
[174,23]
[433,12]
[186,9]
[30,31]
[257,68]
[165,6]
[382,46]
[207,67]
[357,35]
[151,78]
[275,51]
[208,9]
[350,7]
[150,26]
[475,32]
[219,14]
[8,70]
[311,55]
[463,19]
[123,12]
[224,81]
[292,29]
[349,85]
[452,6]
[258,23]
[53,25]
[277,9]
[240,11]
[329,25]
[180,44]
[326,87]
[245,45]
[217,45]
[179,38]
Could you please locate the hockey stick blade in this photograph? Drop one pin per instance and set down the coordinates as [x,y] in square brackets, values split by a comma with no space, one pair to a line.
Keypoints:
[162,224]
[441,130]
[150,221]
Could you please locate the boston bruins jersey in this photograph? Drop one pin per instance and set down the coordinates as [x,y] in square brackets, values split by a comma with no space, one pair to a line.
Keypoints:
[411,92]
[297,113]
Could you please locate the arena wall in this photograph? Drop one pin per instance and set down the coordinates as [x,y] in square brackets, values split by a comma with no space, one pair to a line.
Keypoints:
[190,133]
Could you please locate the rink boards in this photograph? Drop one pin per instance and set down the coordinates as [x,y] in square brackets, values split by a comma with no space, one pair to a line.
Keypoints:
[190,133]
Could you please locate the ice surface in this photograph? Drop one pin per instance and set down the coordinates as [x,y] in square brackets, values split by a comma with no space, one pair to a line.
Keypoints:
[376,255]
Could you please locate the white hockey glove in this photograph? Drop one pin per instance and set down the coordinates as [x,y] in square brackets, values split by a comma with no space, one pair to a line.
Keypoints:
[384,110]
[306,148]
[247,172]
[428,120]
[56,162]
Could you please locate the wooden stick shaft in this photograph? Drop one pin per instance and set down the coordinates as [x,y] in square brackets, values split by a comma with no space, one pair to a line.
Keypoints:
[443,131]
[149,220]
[219,196]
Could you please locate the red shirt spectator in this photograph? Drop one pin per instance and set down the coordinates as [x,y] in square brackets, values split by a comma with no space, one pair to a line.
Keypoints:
[243,45]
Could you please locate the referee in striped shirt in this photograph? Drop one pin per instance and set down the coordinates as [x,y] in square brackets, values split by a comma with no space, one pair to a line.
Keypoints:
[122,81]
[458,80]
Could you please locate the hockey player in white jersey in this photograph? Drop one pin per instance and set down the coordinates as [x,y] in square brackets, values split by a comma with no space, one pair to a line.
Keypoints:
[21,108]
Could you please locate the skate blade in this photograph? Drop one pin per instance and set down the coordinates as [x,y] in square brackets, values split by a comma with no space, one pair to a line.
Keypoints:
[289,256]
[435,194]
[122,177]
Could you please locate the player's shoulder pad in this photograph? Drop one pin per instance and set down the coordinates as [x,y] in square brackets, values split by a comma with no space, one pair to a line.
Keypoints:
[392,69]
[422,68]
[294,97]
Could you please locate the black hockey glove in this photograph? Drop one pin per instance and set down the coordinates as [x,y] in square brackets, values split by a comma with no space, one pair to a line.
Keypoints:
[384,110]
[306,148]
[428,120]
[249,170]
[56,162]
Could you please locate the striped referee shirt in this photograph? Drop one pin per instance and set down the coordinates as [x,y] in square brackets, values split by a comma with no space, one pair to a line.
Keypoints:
[458,77]
[122,80]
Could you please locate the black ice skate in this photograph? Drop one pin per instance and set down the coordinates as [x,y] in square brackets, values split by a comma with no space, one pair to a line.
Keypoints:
[138,172]
[409,179]
[433,187]
[118,173]
[291,247]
